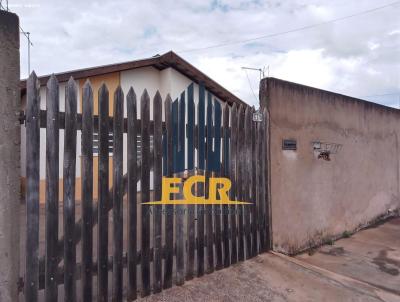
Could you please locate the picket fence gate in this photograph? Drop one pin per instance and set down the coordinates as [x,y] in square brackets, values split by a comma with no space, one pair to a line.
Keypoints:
[224,142]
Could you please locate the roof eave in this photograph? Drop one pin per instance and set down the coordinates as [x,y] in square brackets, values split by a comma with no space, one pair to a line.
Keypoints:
[169,59]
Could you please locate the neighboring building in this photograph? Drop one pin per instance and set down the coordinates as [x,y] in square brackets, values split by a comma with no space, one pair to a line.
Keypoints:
[334,163]
[168,73]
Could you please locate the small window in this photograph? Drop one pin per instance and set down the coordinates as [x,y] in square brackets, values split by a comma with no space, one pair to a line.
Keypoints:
[111,146]
[96,143]
[289,144]
[139,147]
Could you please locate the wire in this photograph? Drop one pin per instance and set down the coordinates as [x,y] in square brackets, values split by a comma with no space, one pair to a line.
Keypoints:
[385,94]
[248,79]
[291,30]
[26,34]
[5,8]
[20,28]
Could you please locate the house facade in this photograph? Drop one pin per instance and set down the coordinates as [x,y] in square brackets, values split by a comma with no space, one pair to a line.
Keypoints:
[168,74]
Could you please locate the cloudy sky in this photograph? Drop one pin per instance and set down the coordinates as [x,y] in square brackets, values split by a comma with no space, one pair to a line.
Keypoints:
[358,56]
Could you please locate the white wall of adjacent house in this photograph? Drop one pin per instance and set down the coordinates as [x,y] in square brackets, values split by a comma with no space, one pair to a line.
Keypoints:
[166,81]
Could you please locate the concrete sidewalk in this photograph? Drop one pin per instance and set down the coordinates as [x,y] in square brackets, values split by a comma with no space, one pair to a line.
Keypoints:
[371,256]
[361,268]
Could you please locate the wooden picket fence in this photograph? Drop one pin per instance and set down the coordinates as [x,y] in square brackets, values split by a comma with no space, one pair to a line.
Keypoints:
[173,247]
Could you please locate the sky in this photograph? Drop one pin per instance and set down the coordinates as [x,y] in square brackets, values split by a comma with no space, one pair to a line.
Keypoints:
[358,56]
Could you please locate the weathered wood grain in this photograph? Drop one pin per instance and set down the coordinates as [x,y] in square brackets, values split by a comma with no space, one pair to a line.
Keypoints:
[233,176]
[247,179]
[87,192]
[216,157]
[179,167]
[157,210]
[226,173]
[118,192]
[208,173]
[169,209]
[132,193]
[69,177]
[266,174]
[254,206]
[260,184]
[32,189]
[78,224]
[201,153]
[240,159]
[52,176]
[102,244]
[191,209]
[145,189]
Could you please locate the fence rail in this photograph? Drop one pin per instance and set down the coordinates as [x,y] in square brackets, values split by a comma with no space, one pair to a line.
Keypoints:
[170,243]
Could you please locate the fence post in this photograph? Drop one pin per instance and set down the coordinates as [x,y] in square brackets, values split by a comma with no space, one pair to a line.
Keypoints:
[10,136]
[264,107]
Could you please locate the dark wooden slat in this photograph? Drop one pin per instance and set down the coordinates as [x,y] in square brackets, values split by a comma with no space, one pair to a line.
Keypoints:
[78,224]
[208,208]
[157,210]
[169,209]
[267,156]
[226,172]
[52,176]
[247,179]
[145,189]
[217,173]
[132,193]
[69,190]
[254,207]
[118,194]
[233,166]
[87,192]
[190,166]
[32,189]
[200,187]
[182,133]
[102,248]
[190,128]
[179,167]
[240,159]
[60,275]
[260,184]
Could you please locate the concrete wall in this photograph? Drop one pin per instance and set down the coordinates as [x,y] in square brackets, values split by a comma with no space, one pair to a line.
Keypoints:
[10,196]
[312,199]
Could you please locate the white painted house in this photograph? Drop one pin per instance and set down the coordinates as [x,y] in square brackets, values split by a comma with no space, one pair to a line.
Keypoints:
[168,73]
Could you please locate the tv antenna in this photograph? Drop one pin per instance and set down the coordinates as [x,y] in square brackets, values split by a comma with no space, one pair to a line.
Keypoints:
[261,71]
[262,75]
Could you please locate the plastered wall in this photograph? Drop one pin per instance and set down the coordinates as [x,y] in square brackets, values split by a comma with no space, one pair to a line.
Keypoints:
[313,199]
